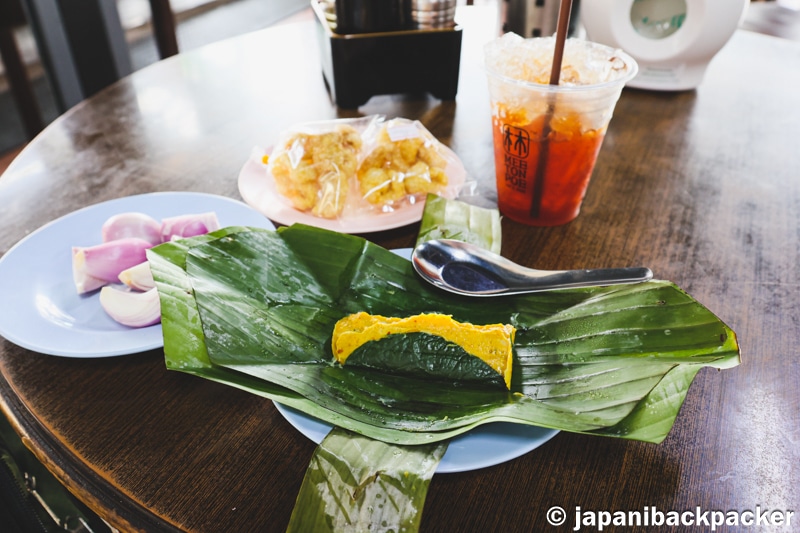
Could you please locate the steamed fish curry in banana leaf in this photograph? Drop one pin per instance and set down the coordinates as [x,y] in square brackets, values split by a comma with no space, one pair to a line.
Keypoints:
[430,344]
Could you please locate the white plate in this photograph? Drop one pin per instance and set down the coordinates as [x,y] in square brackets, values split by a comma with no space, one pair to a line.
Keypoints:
[44,313]
[484,446]
[257,187]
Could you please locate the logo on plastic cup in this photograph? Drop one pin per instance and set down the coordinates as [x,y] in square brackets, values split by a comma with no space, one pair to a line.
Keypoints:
[516,147]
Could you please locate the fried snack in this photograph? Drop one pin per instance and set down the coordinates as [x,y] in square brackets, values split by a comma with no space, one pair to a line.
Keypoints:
[313,171]
[396,169]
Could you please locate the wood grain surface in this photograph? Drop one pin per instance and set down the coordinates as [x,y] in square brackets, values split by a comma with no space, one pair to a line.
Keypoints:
[702,186]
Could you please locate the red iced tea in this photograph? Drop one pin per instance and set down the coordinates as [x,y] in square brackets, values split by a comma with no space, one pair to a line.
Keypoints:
[569,153]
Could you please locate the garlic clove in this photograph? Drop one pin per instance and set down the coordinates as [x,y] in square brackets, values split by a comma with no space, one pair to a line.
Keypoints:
[138,277]
[126,225]
[185,226]
[105,261]
[133,309]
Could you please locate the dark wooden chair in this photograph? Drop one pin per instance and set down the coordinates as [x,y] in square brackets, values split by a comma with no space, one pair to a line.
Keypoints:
[20,86]
[164,28]
[12,16]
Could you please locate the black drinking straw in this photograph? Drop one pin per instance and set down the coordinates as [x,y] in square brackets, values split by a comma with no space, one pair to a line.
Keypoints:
[558,54]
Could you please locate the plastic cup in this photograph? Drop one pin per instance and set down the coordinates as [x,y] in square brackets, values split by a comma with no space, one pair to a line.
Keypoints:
[547,137]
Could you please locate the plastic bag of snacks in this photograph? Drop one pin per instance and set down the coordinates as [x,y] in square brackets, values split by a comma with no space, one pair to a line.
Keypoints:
[312,165]
[349,166]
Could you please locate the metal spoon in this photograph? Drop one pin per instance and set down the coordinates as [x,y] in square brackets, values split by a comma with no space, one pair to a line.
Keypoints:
[463,268]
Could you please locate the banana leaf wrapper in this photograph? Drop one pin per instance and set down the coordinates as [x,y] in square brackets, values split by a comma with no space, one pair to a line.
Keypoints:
[355,483]
[255,309]
[453,219]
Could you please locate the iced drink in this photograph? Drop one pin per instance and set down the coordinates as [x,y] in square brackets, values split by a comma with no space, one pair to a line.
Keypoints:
[546,137]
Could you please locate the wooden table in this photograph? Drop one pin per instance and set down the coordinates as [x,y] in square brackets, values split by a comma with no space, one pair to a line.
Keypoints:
[702,186]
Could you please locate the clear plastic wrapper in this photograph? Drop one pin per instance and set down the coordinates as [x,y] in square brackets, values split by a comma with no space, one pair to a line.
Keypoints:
[313,163]
[349,167]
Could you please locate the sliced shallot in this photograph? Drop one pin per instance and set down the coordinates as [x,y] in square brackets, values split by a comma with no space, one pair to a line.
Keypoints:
[106,261]
[83,281]
[185,226]
[133,309]
[126,225]
[138,277]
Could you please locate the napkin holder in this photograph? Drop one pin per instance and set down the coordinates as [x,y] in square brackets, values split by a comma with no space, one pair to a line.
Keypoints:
[357,67]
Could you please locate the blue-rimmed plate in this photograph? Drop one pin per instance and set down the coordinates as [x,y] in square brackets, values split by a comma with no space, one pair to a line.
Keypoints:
[484,446]
[43,311]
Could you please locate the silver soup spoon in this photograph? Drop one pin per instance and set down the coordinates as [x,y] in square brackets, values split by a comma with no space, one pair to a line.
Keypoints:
[467,269]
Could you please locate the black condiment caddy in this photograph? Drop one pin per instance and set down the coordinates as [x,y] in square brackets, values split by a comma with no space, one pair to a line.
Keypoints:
[358,66]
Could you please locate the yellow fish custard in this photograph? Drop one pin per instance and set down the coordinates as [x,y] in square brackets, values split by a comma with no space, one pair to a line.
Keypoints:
[492,343]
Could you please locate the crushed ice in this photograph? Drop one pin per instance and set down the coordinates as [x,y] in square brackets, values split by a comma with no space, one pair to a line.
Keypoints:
[530,60]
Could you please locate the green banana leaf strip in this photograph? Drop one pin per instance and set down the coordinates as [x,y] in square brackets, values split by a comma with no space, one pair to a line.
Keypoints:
[610,360]
[453,219]
[354,483]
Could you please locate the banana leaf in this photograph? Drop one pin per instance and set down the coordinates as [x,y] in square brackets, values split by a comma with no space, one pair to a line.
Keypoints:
[354,483]
[453,219]
[255,309]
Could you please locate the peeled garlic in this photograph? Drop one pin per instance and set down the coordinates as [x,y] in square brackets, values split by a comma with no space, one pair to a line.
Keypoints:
[126,225]
[138,277]
[133,309]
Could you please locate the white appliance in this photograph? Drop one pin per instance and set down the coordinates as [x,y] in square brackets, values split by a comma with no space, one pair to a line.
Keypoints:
[673,41]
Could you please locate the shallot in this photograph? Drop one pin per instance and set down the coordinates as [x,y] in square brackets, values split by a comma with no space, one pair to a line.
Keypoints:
[84,282]
[129,308]
[122,258]
[126,225]
[185,226]
[105,261]
[138,277]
